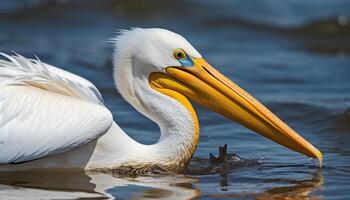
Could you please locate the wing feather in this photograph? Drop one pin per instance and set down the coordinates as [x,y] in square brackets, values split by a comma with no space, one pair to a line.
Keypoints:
[45,110]
[19,70]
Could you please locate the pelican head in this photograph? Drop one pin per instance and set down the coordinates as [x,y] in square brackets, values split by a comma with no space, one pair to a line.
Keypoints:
[157,71]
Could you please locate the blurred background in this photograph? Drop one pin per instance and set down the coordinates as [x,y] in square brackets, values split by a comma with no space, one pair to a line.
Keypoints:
[292,55]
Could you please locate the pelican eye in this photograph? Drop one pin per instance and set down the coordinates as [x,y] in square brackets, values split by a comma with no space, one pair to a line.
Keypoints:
[182,57]
[179,54]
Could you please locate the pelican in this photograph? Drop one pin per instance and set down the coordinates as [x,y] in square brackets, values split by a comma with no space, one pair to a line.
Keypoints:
[53,119]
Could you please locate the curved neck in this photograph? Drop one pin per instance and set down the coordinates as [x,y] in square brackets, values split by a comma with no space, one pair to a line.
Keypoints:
[176,119]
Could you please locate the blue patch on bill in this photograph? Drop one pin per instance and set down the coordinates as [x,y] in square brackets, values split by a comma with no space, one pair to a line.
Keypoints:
[187,62]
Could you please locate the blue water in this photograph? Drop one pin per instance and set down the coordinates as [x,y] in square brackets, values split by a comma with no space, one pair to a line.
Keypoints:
[294,56]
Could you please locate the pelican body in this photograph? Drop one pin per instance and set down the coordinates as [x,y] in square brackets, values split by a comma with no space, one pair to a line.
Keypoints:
[52,119]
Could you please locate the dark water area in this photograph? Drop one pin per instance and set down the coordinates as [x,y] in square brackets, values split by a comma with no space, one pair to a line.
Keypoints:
[294,56]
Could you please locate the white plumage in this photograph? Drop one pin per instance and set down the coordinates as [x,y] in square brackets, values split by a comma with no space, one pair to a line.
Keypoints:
[45,111]
[22,71]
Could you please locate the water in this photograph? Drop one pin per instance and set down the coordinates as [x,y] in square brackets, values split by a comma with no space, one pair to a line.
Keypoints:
[294,56]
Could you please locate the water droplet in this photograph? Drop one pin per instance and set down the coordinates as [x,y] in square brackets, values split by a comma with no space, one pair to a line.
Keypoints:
[311,159]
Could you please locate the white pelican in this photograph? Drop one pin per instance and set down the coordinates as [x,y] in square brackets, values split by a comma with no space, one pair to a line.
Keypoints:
[53,119]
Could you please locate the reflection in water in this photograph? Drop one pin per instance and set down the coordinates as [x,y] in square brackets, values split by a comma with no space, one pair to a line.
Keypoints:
[300,189]
[143,187]
[104,185]
[94,185]
[295,189]
[32,185]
